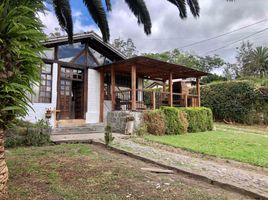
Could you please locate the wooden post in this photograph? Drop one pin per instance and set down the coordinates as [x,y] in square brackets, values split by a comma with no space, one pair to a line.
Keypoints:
[153,100]
[113,86]
[186,100]
[133,87]
[101,95]
[170,90]
[198,91]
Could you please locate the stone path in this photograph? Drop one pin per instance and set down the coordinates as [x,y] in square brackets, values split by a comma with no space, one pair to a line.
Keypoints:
[249,180]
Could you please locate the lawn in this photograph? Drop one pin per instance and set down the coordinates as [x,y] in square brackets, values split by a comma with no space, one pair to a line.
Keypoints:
[229,142]
[83,172]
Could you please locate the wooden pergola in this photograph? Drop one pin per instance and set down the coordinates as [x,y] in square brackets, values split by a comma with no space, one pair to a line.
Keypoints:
[147,68]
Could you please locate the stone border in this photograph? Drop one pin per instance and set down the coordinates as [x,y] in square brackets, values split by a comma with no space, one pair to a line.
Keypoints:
[192,175]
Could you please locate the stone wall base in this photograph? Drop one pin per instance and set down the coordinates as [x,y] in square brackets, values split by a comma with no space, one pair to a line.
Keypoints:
[117,120]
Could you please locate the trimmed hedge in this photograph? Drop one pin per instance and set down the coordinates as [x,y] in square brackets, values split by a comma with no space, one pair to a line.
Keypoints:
[175,120]
[235,101]
[199,119]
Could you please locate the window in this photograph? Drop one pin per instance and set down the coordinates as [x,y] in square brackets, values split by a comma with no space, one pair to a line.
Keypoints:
[43,90]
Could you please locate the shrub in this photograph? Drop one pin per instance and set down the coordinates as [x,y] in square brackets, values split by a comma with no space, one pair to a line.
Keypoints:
[176,121]
[235,101]
[108,135]
[142,130]
[200,119]
[24,133]
[155,122]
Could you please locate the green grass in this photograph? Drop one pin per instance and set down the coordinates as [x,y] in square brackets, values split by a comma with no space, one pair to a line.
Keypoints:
[230,143]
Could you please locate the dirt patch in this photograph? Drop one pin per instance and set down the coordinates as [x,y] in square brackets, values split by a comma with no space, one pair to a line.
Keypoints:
[102,174]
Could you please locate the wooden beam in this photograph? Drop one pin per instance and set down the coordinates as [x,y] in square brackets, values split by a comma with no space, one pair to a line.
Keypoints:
[113,86]
[198,91]
[133,87]
[56,49]
[101,96]
[170,90]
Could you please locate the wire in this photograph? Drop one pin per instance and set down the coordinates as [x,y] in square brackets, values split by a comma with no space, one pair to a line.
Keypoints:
[221,35]
[258,32]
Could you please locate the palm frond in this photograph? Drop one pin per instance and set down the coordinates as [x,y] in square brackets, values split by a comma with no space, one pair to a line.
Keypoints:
[108,5]
[194,7]
[139,9]
[181,5]
[98,14]
[64,14]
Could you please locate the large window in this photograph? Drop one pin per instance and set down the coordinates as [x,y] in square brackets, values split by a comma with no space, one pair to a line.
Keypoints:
[43,91]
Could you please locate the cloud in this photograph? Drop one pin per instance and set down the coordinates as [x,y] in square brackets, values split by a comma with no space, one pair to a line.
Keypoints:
[169,31]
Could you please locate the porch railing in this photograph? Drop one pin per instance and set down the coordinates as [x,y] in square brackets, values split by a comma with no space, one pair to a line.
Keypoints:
[152,99]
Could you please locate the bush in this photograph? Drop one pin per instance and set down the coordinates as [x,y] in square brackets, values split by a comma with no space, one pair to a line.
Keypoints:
[200,119]
[235,101]
[155,122]
[176,121]
[28,134]
[142,130]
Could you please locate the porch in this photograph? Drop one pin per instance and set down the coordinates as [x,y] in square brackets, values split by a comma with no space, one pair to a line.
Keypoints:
[132,95]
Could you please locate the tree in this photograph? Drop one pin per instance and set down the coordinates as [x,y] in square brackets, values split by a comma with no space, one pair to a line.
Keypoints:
[251,61]
[126,47]
[175,56]
[20,49]
[97,11]
[259,62]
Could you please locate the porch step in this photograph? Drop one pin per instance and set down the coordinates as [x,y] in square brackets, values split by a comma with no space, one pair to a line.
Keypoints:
[70,123]
[83,129]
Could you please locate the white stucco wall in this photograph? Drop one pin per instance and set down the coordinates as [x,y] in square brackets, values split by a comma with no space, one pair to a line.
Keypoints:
[39,109]
[93,104]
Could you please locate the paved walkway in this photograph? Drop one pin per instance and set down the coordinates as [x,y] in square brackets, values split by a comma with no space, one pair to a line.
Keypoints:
[247,179]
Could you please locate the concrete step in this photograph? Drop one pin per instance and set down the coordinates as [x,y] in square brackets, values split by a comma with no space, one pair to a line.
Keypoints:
[83,129]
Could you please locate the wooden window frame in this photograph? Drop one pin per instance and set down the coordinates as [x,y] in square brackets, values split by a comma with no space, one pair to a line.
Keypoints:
[41,98]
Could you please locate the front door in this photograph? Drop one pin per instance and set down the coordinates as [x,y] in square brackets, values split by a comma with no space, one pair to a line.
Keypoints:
[71,94]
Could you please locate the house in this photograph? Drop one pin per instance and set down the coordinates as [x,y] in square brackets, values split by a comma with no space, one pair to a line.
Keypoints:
[84,81]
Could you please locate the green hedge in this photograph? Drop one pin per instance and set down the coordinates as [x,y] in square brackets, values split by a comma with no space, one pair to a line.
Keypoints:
[236,101]
[176,121]
[173,121]
[199,119]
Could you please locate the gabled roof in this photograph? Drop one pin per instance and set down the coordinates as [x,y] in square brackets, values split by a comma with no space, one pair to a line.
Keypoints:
[156,69]
[94,41]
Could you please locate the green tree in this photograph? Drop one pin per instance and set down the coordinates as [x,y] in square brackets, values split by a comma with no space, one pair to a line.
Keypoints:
[20,49]
[98,13]
[259,62]
[175,56]
[126,47]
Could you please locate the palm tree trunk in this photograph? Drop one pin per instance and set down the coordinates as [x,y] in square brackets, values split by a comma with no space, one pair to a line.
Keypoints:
[3,166]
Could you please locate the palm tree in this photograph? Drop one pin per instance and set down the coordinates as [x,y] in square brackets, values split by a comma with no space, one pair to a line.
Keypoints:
[259,61]
[97,11]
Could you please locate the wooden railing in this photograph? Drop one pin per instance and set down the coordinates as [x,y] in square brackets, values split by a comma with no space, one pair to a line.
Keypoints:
[152,99]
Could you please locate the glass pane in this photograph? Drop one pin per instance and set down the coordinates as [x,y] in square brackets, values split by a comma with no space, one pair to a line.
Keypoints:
[67,93]
[46,68]
[48,77]
[48,83]
[43,82]
[69,51]
[68,83]
[62,92]
[49,89]
[42,94]
[81,60]
[49,54]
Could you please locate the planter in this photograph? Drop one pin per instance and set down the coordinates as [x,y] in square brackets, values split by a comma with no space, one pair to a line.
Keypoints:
[129,130]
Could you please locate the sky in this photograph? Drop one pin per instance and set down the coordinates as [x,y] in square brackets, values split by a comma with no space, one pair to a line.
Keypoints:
[169,31]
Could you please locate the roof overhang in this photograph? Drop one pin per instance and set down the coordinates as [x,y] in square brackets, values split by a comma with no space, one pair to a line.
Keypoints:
[152,68]
[93,40]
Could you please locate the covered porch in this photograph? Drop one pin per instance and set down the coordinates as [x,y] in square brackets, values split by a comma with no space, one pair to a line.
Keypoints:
[132,96]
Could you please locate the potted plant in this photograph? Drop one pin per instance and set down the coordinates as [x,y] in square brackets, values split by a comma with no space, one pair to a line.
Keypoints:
[48,113]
